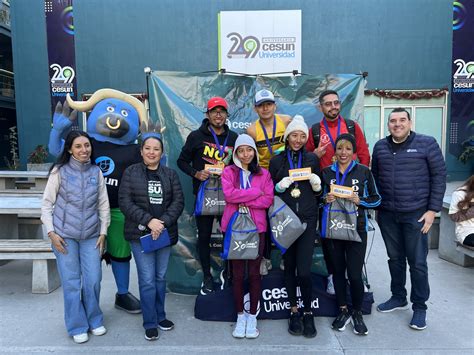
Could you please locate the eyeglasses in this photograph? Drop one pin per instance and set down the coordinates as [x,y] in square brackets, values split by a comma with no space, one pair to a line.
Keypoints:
[218,113]
[332,103]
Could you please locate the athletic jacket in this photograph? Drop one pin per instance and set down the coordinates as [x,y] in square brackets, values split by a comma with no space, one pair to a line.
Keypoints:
[258,198]
[305,206]
[362,182]
[362,150]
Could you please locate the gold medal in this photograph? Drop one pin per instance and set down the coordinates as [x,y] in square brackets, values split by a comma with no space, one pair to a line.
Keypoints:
[296,192]
[334,159]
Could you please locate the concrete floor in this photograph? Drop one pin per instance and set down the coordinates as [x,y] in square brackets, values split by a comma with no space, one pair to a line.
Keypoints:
[32,323]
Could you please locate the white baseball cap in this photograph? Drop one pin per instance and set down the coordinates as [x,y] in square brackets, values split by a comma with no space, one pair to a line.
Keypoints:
[264,96]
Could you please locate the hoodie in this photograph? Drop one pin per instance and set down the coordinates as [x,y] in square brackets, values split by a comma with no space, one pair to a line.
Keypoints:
[258,196]
[200,149]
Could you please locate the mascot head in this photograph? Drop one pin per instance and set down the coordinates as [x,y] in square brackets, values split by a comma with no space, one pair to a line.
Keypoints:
[115,116]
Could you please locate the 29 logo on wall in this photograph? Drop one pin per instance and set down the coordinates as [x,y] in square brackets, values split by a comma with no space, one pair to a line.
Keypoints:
[243,47]
[267,47]
[463,77]
[62,80]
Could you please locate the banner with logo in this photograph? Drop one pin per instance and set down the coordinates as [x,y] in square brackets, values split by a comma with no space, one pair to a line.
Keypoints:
[61,50]
[274,303]
[260,42]
[461,141]
[178,100]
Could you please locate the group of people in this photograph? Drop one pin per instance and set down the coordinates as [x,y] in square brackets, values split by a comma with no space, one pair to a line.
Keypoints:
[406,184]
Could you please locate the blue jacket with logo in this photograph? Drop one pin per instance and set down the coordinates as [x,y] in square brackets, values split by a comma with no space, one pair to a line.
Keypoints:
[412,178]
[362,182]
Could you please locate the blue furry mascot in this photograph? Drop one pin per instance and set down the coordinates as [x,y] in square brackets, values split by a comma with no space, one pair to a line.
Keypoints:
[114,125]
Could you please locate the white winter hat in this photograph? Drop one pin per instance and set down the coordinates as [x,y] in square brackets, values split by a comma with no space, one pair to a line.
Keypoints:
[296,124]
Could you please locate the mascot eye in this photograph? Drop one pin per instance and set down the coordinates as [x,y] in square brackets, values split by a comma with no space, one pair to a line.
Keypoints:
[110,109]
[124,113]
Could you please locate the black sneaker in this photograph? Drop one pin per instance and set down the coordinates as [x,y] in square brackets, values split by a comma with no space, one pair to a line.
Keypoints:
[358,323]
[295,324]
[166,324]
[128,303]
[207,286]
[341,320]
[309,330]
[151,334]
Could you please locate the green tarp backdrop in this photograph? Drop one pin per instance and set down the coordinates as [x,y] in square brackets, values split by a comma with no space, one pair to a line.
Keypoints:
[178,100]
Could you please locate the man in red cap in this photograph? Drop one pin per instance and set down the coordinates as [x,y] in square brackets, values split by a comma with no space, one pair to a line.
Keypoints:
[213,144]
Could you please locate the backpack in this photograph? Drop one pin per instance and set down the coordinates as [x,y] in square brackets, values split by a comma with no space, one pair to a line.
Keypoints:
[316,129]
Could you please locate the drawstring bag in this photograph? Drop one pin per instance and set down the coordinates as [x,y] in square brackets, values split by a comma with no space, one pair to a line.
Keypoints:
[241,240]
[340,221]
[210,198]
[285,225]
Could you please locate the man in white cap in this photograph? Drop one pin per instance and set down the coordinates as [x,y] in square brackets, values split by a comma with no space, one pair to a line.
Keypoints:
[267,133]
[269,129]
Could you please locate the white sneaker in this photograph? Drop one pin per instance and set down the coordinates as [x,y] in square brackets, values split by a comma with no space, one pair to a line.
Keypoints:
[80,338]
[99,331]
[263,267]
[330,288]
[239,330]
[282,264]
[251,331]
[269,264]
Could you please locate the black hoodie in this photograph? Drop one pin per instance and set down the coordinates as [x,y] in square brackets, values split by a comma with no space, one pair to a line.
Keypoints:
[200,149]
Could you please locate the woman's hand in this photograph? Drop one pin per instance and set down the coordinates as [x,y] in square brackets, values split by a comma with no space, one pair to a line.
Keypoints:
[284,184]
[355,198]
[156,226]
[330,198]
[100,243]
[58,243]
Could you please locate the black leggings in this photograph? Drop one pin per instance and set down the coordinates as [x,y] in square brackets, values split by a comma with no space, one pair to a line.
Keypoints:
[298,259]
[345,255]
[469,240]
[204,227]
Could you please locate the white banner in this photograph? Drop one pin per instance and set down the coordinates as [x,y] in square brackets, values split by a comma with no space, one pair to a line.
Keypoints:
[259,42]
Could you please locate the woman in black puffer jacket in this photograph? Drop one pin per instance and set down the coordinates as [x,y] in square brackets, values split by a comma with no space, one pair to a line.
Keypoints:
[151,198]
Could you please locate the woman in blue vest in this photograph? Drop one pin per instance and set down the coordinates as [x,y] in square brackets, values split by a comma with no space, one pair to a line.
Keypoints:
[348,255]
[75,212]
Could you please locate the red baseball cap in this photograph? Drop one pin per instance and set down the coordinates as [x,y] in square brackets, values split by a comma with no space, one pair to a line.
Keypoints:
[215,102]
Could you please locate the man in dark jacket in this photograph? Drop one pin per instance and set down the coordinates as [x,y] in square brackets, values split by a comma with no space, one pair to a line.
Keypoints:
[410,173]
[212,144]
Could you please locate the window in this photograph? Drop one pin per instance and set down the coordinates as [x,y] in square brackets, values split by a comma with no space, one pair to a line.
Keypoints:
[428,114]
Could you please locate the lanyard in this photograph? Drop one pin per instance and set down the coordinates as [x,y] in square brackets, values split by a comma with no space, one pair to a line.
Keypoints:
[221,149]
[341,181]
[266,136]
[244,185]
[329,133]
[292,166]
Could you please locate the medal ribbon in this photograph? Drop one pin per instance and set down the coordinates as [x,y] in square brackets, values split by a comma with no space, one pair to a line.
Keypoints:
[341,181]
[219,148]
[329,133]
[292,165]
[269,145]
[244,185]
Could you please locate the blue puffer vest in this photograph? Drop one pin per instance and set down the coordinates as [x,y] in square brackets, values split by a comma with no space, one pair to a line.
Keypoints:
[76,213]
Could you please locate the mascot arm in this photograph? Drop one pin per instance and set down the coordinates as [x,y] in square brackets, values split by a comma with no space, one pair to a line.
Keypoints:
[62,122]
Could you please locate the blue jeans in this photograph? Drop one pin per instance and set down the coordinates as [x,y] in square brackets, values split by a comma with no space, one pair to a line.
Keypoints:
[151,269]
[404,241]
[80,272]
